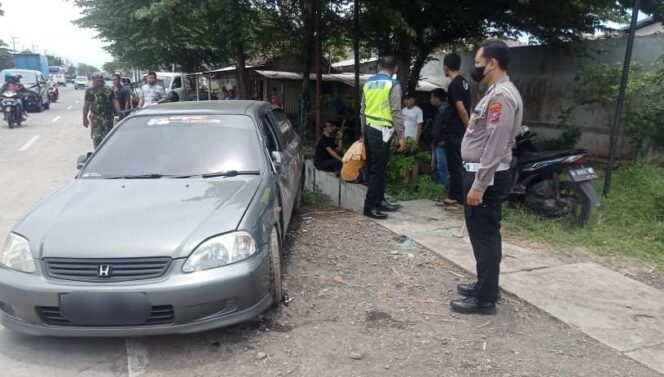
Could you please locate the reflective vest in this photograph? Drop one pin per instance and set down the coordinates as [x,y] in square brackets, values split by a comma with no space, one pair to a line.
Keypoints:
[377,100]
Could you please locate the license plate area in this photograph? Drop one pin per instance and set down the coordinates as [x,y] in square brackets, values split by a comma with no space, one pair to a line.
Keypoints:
[583,174]
[105,309]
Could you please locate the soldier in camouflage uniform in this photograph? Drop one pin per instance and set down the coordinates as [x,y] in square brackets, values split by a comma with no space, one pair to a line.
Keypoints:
[99,110]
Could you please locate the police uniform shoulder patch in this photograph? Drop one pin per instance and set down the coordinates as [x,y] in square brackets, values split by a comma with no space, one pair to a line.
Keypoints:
[494,112]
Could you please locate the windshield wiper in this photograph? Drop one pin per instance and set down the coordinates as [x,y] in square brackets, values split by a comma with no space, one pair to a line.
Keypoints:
[142,176]
[229,173]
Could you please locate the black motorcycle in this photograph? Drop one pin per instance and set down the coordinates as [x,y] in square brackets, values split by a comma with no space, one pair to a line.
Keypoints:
[10,109]
[541,184]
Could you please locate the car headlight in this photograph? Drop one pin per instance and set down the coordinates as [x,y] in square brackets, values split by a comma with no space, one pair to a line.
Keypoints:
[16,254]
[219,251]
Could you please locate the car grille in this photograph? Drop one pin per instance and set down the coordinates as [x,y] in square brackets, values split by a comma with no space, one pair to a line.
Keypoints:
[106,270]
[160,315]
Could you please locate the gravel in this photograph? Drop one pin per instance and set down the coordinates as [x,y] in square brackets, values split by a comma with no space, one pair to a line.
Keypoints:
[358,308]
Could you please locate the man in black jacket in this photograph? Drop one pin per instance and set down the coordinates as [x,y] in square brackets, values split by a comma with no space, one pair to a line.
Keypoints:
[458,97]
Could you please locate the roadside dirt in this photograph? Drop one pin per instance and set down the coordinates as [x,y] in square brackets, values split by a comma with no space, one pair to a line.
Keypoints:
[368,303]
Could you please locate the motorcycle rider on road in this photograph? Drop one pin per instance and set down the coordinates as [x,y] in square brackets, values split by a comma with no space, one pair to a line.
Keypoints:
[13,85]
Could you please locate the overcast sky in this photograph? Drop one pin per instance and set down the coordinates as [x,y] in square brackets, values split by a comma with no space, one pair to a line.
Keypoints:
[47,25]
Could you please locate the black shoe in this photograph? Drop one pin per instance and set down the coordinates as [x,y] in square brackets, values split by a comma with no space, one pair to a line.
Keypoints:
[466,289]
[388,207]
[375,214]
[471,305]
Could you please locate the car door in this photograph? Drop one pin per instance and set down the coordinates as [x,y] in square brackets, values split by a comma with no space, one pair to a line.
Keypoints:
[292,147]
[276,144]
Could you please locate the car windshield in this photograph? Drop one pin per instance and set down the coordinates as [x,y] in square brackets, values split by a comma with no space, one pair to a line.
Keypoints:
[81,78]
[28,80]
[178,145]
[165,82]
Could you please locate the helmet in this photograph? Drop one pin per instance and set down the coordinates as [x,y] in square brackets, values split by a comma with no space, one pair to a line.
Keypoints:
[9,75]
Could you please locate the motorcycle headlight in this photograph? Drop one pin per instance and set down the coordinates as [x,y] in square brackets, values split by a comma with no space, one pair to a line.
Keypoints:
[219,251]
[16,254]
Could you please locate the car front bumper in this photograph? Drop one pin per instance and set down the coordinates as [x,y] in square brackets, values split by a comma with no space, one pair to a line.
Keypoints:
[200,301]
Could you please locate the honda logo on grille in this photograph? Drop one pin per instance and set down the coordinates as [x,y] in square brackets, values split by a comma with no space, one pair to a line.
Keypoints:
[104,271]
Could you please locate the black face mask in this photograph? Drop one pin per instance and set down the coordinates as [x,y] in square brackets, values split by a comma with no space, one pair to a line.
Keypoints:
[478,73]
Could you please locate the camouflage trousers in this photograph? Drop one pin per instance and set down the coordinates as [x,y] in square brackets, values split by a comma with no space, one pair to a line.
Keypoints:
[100,126]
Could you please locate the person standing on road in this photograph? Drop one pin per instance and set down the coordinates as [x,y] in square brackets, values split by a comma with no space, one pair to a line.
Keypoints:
[458,96]
[487,154]
[381,117]
[122,94]
[439,157]
[99,109]
[151,93]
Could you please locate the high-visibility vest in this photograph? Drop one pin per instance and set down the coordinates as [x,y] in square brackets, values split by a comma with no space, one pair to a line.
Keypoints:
[377,109]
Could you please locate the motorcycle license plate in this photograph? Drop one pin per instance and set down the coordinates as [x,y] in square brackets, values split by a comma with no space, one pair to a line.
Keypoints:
[583,174]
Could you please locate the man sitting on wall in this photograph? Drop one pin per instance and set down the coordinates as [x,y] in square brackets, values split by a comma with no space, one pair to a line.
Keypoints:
[327,156]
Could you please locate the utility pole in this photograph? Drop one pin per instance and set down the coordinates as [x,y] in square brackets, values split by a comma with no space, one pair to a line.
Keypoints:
[319,74]
[14,38]
[617,119]
[356,56]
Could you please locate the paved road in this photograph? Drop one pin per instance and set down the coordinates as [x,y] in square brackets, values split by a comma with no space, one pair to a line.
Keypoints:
[35,160]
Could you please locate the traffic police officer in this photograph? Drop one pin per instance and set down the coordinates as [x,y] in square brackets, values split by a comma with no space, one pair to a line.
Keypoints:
[487,153]
[381,118]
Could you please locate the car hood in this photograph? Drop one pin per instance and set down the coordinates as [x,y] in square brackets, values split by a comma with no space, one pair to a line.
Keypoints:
[99,218]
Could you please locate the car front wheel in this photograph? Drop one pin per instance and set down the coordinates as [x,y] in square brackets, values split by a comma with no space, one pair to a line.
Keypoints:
[276,289]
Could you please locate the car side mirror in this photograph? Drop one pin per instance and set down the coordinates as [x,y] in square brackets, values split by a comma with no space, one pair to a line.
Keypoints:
[277,159]
[82,159]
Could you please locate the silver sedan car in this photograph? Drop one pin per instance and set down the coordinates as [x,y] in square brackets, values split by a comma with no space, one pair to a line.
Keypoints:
[174,224]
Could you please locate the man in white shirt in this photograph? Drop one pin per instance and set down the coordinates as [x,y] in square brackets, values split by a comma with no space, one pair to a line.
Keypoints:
[413,118]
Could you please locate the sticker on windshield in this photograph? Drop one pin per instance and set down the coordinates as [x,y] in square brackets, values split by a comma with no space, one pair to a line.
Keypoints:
[183,119]
[95,174]
[158,121]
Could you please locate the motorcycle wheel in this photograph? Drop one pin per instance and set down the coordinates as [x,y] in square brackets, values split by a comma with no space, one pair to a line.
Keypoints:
[10,120]
[582,208]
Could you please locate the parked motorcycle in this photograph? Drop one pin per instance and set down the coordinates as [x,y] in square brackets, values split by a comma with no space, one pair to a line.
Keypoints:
[53,94]
[10,109]
[541,184]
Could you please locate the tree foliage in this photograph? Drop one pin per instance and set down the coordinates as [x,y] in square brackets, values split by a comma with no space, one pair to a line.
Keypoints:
[85,69]
[411,30]
[55,60]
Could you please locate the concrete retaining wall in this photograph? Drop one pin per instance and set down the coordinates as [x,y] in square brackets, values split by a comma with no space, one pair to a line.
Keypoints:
[343,194]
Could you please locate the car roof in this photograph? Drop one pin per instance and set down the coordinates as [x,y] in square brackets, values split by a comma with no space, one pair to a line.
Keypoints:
[197,107]
[22,71]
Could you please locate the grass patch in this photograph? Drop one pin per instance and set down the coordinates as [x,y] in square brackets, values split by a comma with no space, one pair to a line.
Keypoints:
[422,187]
[628,224]
[315,198]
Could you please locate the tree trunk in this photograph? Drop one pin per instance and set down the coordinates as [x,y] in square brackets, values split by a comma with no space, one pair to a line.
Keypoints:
[414,78]
[242,91]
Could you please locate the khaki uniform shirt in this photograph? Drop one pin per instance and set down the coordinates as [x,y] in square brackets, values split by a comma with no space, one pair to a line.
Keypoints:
[491,133]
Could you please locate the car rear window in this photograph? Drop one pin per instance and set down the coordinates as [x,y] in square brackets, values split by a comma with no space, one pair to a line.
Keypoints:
[178,145]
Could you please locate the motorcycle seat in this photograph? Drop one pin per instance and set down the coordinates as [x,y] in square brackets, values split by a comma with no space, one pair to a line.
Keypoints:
[541,156]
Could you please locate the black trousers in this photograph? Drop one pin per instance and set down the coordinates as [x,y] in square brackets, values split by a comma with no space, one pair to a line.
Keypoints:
[378,154]
[483,224]
[330,165]
[455,169]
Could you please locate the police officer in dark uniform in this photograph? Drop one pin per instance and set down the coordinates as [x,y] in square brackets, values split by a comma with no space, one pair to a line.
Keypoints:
[487,153]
